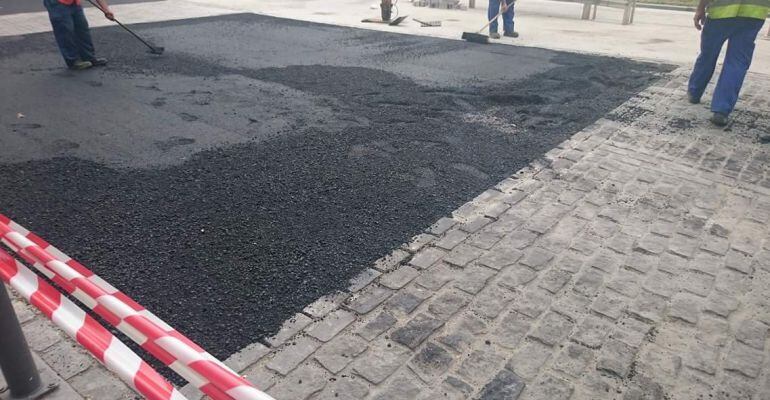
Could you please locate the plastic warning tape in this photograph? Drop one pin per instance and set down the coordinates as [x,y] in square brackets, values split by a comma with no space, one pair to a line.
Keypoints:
[170,347]
[105,347]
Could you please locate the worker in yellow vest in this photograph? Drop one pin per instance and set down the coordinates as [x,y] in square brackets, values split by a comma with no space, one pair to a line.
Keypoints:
[70,28]
[737,22]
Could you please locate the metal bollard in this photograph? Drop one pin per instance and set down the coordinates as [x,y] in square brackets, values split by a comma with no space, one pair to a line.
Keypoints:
[16,361]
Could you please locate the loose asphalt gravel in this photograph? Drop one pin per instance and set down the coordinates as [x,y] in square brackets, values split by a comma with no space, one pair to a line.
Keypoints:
[261,163]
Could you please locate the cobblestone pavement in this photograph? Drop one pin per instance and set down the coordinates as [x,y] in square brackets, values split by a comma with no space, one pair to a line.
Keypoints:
[632,263]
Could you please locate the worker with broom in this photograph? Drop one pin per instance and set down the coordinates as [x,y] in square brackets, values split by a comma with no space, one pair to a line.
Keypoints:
[70,28]
[507,14]
[738,23]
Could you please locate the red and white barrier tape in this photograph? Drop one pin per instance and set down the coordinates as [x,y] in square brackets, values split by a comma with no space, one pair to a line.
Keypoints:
[182,355]
[105,347]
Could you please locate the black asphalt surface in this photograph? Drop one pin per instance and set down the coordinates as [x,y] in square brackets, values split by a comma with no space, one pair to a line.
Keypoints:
[261,163]
[8,7]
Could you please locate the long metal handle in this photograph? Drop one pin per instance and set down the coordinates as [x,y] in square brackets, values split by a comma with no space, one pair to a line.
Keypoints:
[125,27]
[502,10]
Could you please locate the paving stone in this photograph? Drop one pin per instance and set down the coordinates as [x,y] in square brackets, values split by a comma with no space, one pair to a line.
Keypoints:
[259,375]
[301,384]
[713,331]
[685,307]
[382,322]
[452,388]
[325,305]
[641,262]
[24,312]
[743,359]
[696,283]
[651,244]
[432,361]
[291,355]
[752,333]
[519,239]
[416,330]
[663,228]
[631,331]
[407,300]
[592,332]
[442,225]
[731,283]
[609,305]
[438,276]
[463,254]
[682,245]
[621,243]
[692,226]
[500,256]
[418,242]
[702,357]
[39,334]
[715,244]
[547,217]
[721,304]
[529,358]
[648,307]
[672,264]
[98,383]
[475,223]
[552,329]
[513,327]
[484,239]
[399,278]
[532,302]
[463,332]
[626,282]
[604,228]
[661,284]
[491,301]
[451,239]
[706,263]
[426,257]
[366,300]
[380,361]
[364,278]
[505,386]
[616,358]
[658,364]
[733,386]
[447,304]
[586,244]
[340,352]
[574,359]
[537,258]
[480,365]
[604,260]
[344,388]
[392,260]
[403,386]
[474,279]
[516,276]
[549,387]
[570,262]
[247,356]
[571,305]
[589,282]
[331,325]
[67,359]
[554,280]
[739,262]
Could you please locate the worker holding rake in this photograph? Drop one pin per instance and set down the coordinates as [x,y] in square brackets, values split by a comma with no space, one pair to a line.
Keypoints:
[73,36]
[507,14]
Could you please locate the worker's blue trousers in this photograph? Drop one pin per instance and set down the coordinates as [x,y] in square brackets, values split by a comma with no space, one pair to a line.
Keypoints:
[494,9]
[740,34]
[70,28]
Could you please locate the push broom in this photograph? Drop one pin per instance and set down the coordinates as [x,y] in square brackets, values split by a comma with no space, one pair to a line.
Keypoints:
[478,37]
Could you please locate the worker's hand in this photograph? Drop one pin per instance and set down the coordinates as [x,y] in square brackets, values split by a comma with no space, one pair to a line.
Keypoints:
[700,18]
[109,15]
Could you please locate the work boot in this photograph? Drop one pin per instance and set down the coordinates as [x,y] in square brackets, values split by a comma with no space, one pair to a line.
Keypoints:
[692,99]
[719,119]
[99,62]
[511,34]
[81,65]
[494,35]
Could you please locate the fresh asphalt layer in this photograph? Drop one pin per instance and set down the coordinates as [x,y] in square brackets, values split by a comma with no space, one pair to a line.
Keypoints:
[261,163]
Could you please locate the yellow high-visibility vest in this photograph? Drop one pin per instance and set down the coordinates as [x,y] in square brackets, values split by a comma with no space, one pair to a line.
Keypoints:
[719,9]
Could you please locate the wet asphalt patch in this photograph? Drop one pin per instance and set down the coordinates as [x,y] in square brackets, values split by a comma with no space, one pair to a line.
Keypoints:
[261,163]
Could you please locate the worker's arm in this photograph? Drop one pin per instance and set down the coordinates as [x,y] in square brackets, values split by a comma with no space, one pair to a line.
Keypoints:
[700,14]
[106,9]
